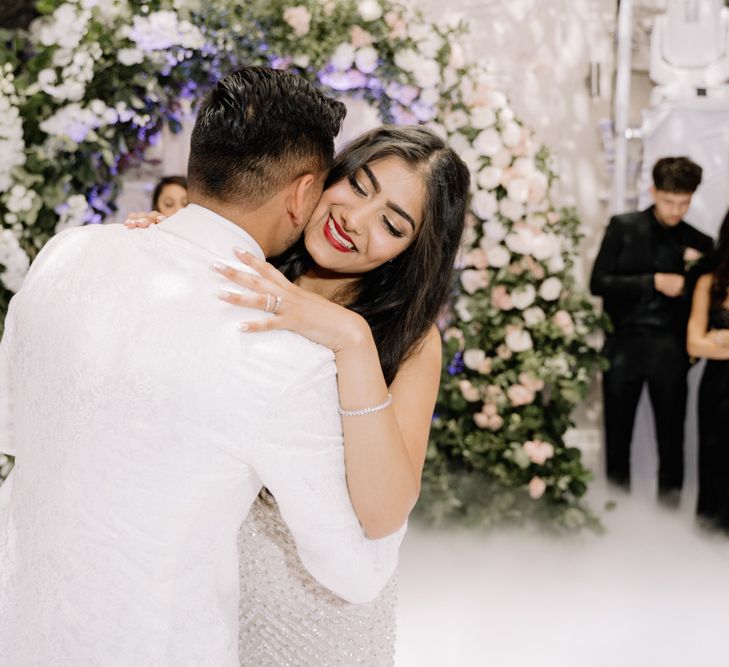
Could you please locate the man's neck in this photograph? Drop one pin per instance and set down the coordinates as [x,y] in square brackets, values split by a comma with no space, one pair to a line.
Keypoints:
[256,222]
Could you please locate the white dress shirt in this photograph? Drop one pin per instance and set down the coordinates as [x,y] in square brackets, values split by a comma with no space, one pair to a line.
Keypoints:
[144,423]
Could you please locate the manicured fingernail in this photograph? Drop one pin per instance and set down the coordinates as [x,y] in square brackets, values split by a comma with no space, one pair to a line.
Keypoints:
[244,326]
[161,217]
[243,253]
[219,266]
[225,296]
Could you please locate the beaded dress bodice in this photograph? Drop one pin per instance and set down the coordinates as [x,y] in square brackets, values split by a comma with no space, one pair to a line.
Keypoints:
[288,618]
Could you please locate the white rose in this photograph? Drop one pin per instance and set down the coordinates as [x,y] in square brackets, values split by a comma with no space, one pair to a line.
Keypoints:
[302,60]
[482,117]
[369,10]
[427,73]
[518,190]
[523,297]
[473,359]
[488,142]
[511,209]
[502,158]
[461,308]
[299,19]
[46,77]
[520,241]
[511,134]
[490,177]
[429,96]
[484,204]
[523,166]
[545,246]
[518,340]
[407,60]
[474,280]
[555,263]
[343,57]
[498,256]
[129,57]
[459,143]
[495,230]
[534,316]
[497,99]
[366,59]
[550,289]
[457,58]
[455,119]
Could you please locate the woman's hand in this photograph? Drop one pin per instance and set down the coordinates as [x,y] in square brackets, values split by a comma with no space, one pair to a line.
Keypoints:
[291,307]
[142,220]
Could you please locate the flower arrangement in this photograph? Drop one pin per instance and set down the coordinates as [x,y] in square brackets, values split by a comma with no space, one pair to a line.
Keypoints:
[88,87]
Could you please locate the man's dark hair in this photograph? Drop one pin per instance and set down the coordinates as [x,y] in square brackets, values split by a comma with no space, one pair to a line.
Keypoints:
[257,130]
[676,174]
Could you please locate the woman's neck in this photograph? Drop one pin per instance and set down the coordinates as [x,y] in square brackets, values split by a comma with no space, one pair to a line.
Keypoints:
[332,286]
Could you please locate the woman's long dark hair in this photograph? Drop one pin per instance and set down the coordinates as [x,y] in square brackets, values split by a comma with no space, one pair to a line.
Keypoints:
[719,262]
[401,299]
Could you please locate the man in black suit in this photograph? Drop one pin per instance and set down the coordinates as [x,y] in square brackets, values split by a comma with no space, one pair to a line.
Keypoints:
[640,273]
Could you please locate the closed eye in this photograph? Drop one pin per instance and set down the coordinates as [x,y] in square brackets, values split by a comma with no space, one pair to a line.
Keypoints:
[391,228]
[357,187]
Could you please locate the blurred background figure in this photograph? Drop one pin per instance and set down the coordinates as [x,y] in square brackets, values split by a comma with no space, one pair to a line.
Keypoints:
[170,195]
[708,337]
[639,272]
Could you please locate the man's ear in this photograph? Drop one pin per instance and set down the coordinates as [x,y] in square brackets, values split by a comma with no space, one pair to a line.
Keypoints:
[301,196]
[652,192]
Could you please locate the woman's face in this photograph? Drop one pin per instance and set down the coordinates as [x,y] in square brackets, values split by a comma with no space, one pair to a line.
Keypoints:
[363,221]
[171,199]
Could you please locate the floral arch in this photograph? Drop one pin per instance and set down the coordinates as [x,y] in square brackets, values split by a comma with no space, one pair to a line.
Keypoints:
[86,89]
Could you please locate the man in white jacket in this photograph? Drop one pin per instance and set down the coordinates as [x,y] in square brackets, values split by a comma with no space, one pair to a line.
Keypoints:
[144,423]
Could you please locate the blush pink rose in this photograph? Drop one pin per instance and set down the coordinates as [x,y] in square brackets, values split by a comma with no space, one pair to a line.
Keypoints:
[564,321]
[481,420]
[531,382]
[359,37]
[468,391]
[537,487]
[476,258]
[535,267]
[538,451]
[454,333]
[503,352]
[519,395]
[500,298]
[299,19]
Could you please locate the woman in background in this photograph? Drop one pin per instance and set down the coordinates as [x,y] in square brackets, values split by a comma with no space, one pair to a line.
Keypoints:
[170,195]
[708,337]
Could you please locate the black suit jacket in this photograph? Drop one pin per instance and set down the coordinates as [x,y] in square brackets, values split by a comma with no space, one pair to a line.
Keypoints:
[626,263]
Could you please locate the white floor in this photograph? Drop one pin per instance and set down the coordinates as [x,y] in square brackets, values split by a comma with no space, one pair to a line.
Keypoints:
[652,592]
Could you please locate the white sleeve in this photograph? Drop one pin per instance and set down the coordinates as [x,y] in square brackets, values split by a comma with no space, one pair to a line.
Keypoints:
[300,458]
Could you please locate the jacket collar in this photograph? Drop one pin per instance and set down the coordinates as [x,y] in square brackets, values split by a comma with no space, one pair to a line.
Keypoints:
[207,229]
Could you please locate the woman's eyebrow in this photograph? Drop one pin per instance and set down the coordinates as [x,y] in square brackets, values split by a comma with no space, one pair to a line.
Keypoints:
[391,205]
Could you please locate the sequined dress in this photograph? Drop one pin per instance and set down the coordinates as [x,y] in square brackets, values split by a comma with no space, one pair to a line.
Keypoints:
[713,501]
[288,618]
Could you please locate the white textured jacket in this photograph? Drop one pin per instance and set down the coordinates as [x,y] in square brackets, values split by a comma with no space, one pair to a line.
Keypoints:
[144,425]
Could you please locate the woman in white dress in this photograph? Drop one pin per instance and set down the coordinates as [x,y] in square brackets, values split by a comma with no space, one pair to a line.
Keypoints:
[367,280]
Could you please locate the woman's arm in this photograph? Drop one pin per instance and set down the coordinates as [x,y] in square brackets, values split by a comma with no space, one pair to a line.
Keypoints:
[699,341]
[384,450]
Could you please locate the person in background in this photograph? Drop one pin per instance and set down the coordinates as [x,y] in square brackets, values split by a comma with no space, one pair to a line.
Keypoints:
[170,195]
[640,273]
[708,337]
